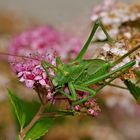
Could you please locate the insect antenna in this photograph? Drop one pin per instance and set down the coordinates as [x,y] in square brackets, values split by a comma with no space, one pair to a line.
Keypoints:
[21,56]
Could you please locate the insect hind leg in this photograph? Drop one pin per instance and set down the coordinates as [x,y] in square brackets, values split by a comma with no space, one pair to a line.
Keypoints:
[111,41]
[72,90]
[97,24]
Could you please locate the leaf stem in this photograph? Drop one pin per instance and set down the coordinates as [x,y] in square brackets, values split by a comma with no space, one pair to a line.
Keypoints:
[57,114]
[33,121]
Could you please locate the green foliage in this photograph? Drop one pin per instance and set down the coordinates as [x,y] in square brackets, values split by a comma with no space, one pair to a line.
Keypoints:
[30,109]
[134,90]
[18,107]
[39,129]
[23,110]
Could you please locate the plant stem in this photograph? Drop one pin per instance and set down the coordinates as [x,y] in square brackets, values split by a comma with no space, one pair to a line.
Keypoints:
[33,121]
[117,86]
[57,114]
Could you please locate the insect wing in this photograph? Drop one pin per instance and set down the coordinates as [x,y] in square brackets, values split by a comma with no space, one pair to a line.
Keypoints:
[77,69]
[98,67]
[95,68]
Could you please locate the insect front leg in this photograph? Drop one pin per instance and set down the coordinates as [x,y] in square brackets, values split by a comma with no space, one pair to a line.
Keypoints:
[46,64]
[65,94]
[84,89]
[72,90]
[111,41]
[59,62]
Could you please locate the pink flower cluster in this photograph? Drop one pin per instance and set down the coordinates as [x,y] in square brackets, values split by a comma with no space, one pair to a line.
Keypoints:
[89,107]
[34,46]
[115,16]
[44,40]
[92,107]
[30,71]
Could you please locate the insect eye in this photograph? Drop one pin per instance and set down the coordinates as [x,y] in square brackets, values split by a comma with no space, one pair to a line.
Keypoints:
[55,83]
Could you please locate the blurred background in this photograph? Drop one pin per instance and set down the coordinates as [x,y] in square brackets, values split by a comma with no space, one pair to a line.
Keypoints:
[117,122]
[52,11]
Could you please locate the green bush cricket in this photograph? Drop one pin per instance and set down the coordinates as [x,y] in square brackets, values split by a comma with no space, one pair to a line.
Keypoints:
[80,75]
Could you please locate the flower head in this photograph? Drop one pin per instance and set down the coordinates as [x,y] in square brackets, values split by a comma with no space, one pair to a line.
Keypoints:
[117,18]
[89,107]
[40,44]
[45,40]
[30,71]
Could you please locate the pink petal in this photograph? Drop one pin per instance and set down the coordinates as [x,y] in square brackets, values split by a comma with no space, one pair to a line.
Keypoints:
[38,77]
[20,74]
[42,82]
[29,83]
[21,79]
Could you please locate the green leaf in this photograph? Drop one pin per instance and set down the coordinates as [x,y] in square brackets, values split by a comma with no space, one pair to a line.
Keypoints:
[39,129]
[30,109]
[26,108]
[134,90]
[18,107]
[25,112]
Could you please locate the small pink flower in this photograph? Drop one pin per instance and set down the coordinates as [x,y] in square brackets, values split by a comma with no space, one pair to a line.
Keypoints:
[29,83]
[49,95]
[77,108]
[90,103]
[91,111]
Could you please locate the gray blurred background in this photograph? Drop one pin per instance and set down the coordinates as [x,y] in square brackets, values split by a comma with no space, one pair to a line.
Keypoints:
[52,11]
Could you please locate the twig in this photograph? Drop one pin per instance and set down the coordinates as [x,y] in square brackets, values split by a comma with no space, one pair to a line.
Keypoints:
[117,86]
[33,121]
